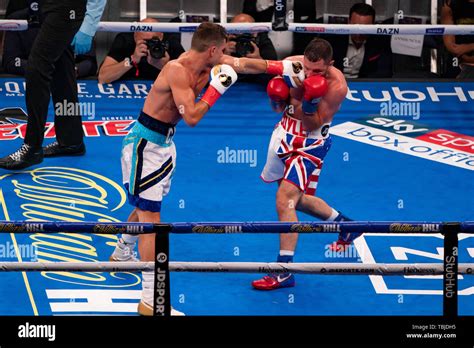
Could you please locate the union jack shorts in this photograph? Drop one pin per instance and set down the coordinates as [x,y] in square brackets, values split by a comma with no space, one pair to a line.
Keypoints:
[295,155]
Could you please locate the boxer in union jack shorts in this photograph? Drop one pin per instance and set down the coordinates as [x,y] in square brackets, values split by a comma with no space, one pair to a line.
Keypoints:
[299,145]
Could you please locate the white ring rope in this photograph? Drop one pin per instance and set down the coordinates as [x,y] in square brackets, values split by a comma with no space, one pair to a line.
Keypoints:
[13,24]
[239,267]
[179,27]
[314,28]
[382,29]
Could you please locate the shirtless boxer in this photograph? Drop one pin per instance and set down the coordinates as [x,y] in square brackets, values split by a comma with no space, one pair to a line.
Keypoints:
[149,154]
[298,146]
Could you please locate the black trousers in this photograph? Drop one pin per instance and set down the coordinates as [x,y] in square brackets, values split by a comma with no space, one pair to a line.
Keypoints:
[51,71]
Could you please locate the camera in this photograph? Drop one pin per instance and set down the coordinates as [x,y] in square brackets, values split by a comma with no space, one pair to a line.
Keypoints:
[156,47]
[243,44]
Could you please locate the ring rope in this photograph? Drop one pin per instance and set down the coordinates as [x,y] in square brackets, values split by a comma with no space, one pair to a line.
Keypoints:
[423,227]
[240,267]
[310,28]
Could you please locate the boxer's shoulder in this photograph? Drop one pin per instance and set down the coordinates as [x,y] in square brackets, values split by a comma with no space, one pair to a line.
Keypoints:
[176,70]
[337,83]
[298,58]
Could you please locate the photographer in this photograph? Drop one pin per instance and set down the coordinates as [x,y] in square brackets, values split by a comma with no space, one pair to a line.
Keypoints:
[257,46]
[139,55]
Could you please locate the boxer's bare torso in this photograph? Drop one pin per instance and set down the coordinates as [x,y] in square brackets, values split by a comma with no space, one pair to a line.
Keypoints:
[160,103]
[163,102]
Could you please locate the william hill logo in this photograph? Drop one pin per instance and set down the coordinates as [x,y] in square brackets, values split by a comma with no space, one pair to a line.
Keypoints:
[309,228]
[217,229]
[415,228]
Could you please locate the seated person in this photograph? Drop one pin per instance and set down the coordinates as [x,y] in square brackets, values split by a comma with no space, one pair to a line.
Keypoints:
[460,46]
[14,6]
[366,56]
[260,10]
[255,45]
[139,55]
[17,46]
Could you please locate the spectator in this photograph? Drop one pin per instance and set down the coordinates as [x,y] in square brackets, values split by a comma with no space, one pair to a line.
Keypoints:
[14,6]
[18,45]
[461,46]
[257,46]
[366,56]
[130,57]
[260,10]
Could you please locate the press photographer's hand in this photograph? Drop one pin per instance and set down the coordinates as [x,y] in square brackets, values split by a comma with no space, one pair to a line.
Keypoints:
[141,50]
[256,52]
[230,48]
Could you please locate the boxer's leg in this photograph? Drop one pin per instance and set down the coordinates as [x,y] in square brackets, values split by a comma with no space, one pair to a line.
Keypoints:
[125,248]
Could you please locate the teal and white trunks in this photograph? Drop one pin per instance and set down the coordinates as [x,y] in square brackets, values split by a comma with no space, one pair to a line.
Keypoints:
[148,162]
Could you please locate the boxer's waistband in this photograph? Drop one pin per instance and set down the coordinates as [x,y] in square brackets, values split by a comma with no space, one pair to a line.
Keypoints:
[295,127]
[153,130]
[155,125]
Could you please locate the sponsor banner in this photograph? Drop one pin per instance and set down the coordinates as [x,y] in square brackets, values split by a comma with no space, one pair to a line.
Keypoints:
[310,29]
[408,248]
[118,128]
[404,143]
[86,89]
[397,126]
[435,31]
[187,29]
[450,139]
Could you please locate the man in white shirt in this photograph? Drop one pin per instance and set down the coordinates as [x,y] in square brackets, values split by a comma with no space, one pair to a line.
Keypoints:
[362,55]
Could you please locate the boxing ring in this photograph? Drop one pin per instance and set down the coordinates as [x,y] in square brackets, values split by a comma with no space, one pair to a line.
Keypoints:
[377,182]
[162,305]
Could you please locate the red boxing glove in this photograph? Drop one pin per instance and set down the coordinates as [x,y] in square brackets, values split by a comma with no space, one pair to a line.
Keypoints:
[278,90]
[315,87]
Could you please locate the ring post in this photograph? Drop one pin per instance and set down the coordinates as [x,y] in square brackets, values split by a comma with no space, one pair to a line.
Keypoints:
[280,23]
[450,273]
[162,298]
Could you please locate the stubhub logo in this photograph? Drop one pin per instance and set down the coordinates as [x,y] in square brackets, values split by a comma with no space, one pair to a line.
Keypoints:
[412,249]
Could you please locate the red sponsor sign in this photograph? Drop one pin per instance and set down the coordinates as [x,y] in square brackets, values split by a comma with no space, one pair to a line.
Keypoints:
[315,29]
[449,139]
[91,129]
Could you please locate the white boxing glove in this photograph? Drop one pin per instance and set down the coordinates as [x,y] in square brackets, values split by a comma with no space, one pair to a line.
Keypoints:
[222,77]
[291,71]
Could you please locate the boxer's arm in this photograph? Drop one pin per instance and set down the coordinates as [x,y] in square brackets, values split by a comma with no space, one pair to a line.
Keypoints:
[184,98]
[327,108]
[245,65]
